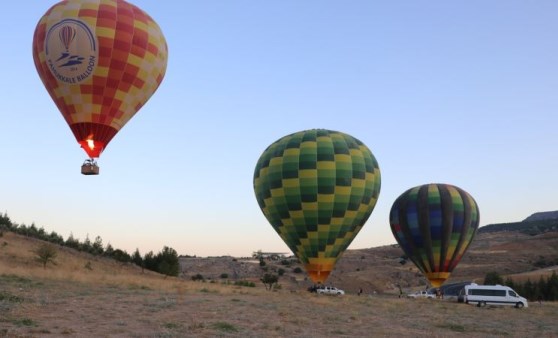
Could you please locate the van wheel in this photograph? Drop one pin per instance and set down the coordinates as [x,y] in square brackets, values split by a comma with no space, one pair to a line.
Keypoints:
[519,305]
[481,304]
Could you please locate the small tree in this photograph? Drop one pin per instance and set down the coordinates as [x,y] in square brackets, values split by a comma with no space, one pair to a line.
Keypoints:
[46,253]
[269,280]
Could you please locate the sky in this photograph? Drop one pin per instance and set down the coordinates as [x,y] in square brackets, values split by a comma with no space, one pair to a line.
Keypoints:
[457,92]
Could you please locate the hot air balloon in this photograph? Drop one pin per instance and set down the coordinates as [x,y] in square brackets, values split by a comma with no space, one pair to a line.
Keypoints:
[100,61]
[434,224]
[317,188]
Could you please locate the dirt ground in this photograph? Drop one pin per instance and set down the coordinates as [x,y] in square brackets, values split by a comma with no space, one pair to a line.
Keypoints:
[41,307]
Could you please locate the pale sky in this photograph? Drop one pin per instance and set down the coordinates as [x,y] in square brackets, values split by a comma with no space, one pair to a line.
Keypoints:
[457,92]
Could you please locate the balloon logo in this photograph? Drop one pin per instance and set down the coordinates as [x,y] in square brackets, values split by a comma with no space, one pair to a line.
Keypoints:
[434,224]
[67,35]
[317,188]
[100,61]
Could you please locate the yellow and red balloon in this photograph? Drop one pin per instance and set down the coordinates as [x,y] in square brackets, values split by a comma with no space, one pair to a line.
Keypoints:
[100,61]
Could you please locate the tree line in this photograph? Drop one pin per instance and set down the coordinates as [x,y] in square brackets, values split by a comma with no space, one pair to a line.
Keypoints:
[546,289]
[165,261]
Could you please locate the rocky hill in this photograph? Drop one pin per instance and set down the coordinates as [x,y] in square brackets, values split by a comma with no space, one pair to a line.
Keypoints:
[540,216]
[508,251]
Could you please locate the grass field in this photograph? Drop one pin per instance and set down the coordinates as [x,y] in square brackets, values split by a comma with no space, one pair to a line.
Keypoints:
[108,299]
[35,306]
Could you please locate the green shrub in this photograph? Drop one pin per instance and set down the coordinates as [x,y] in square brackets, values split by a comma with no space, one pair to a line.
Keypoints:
[197,277]
[224,275]
[245,283]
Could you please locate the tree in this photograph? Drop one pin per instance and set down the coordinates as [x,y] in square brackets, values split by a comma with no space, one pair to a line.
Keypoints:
[168,263]
[552,287]
[46,253]
[55,238]
[86,245]
[121,256]
[97,246]
[72,242]
[509,282]
[493,278]
[149,261]
[136,259]
[109,250]
[269,280]
[5,221]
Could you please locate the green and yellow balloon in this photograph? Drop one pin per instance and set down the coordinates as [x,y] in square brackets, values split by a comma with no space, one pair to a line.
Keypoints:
[317,188]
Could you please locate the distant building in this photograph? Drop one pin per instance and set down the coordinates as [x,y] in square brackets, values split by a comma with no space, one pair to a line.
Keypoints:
[269,255]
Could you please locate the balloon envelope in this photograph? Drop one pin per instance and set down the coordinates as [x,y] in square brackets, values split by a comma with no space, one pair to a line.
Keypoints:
[100,61]
[434,224]
[317,188]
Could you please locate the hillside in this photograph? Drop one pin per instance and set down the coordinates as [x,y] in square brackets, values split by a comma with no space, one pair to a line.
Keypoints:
[87,296]
[378,269]
[533,227]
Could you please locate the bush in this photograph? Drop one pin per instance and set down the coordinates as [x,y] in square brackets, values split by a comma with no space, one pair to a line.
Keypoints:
[269,280]
[197,277]
[297,270]
[224,275]
[281,272]
[245,283]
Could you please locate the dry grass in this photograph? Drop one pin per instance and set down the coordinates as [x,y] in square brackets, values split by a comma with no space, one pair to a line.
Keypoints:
[112,299]
[38,307]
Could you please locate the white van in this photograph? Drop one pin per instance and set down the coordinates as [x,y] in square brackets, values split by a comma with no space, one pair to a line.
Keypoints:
[493,295]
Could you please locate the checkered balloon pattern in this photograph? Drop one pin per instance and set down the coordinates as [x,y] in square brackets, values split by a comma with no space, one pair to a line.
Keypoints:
[100,61]
[317,188]
[434,224]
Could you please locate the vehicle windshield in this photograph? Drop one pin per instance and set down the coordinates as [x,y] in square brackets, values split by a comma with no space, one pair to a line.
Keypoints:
[511,293]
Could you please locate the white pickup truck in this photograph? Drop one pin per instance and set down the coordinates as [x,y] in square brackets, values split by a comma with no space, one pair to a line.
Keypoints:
[421,294]
[330,290]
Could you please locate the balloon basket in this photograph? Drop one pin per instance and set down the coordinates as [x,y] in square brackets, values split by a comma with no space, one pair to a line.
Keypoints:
[90,167]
